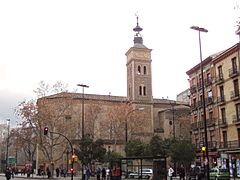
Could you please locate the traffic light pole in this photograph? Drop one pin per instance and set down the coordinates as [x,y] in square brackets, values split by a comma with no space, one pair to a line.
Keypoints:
[71,149]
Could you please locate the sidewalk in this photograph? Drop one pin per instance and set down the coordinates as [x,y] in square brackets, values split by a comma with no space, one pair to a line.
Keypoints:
[34,176]
[42,177]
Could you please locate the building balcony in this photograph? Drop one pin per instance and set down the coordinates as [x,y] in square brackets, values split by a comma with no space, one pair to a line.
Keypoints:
[222,123]
[199,104]
[209,100]
[234,95]
[197,125]
[211,145]
[221,100]
[193,107]
[219,79]
[211,122]
[233,72]
[208,81]
[199,86]
[193,89]
[235,119]
[230,145]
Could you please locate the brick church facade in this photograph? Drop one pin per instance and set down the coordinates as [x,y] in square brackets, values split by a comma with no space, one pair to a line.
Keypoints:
[117,119]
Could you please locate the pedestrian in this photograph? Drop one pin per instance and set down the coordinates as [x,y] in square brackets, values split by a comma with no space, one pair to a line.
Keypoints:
[108,173]
[103,173]
[13,172]
[84,172]
[98,173]
[88,173]
[48,173]
[57,172]
[182,172]
[64,172]
[170,172]
[8,174]
[28,172]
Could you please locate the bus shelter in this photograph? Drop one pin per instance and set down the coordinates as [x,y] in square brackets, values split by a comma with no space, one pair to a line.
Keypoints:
[123,167]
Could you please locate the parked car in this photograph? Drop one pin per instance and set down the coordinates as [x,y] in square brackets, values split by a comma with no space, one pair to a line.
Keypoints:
[126,173]
[219,173]
[146,173]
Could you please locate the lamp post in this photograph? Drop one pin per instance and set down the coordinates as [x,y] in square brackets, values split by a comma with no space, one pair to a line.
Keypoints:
[83,86]
[67,154]
[8,123]
[237,32]
[199,29]
[173,119]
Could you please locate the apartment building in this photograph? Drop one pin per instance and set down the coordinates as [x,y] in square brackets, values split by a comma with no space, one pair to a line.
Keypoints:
[222,103]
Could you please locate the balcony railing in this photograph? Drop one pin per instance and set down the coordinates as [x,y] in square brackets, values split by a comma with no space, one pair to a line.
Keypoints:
[236,119]
[221,99]
[197,125]
[222,123]
[234,95]
[193,107]
[199,104]
[193,89]
[209,100]
[219,78]
[211,122]
[211,144]
[208,81]
[199,86]
[233,72]
[230,144]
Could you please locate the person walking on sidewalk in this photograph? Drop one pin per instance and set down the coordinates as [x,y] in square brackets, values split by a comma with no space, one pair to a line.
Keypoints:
[170,172]
[103,174]
[182,172]
[8,174]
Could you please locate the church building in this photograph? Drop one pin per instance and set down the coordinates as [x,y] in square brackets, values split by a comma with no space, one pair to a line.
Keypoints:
[118,119]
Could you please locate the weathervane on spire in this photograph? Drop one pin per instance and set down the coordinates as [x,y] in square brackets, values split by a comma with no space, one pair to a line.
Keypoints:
[137,29]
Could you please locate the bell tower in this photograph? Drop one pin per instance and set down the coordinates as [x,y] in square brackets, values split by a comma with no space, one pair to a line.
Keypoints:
[139,71]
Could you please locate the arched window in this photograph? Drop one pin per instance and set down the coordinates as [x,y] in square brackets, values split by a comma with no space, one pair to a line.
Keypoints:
[144,90]
[139,70]
[145,70]
[140,90]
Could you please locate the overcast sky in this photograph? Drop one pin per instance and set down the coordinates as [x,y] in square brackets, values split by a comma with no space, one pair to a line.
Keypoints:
[85,42]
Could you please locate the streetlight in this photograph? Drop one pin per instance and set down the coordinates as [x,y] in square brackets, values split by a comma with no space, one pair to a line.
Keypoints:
[8,122]
[126,122]
[237,32]
[83,86]
[199,29]
[173,119]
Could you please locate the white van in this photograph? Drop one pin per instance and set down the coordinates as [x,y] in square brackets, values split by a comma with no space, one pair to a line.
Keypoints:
[146,173]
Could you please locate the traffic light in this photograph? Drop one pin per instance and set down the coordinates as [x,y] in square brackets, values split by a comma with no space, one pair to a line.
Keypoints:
[203,148]
[45,131]
[74,158]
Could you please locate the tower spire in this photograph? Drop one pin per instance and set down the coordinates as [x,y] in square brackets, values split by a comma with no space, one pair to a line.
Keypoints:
[137,37]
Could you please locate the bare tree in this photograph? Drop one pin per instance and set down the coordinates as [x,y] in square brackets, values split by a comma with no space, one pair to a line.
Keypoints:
[119,117]
[47,111]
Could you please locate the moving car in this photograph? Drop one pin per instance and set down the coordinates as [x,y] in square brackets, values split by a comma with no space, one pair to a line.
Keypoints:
[219,173]
[146,173]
